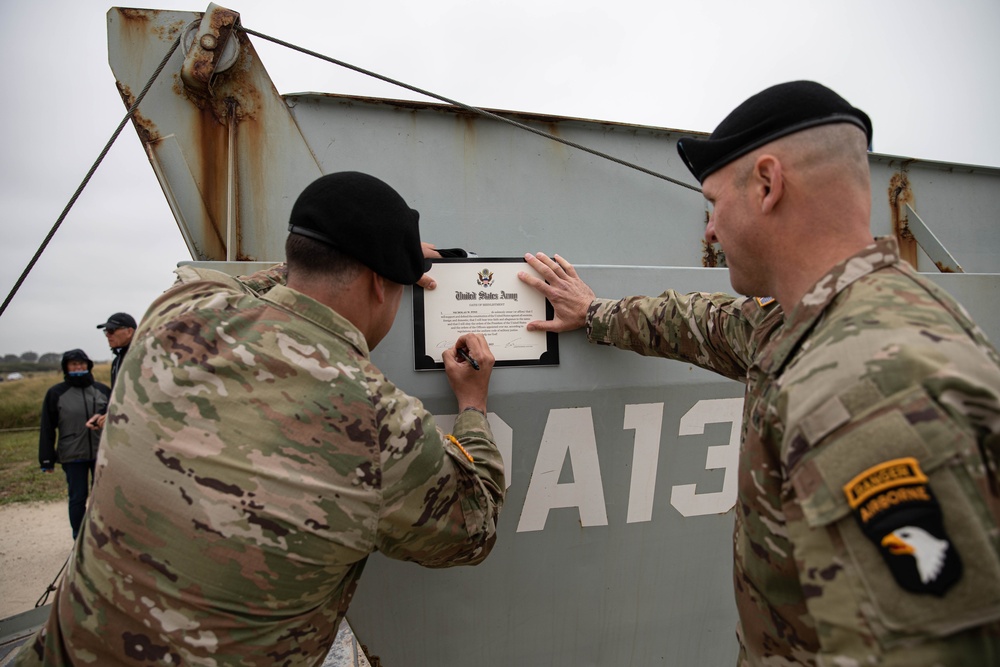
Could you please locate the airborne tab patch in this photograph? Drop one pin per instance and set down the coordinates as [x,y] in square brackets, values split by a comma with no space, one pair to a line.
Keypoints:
[895,508]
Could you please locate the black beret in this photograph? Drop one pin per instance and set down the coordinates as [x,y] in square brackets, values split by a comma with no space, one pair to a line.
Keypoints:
[770,114]
[363,217]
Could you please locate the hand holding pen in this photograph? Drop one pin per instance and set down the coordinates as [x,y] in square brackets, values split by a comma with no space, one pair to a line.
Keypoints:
[469,365]
[462,352]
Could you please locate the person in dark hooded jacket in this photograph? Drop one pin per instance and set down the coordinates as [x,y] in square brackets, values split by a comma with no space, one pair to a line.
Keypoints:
[66,409]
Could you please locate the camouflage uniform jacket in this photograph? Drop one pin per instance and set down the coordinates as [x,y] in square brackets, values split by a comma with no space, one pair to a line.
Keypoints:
[253,459]
[871,411]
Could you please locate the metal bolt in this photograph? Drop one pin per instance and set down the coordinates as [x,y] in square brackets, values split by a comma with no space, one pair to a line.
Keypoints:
[208,42]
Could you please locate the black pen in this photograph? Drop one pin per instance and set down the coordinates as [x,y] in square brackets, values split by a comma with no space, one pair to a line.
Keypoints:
[465,355]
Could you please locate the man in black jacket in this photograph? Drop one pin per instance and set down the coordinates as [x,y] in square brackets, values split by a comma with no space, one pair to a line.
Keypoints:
[67,408]
[119,330]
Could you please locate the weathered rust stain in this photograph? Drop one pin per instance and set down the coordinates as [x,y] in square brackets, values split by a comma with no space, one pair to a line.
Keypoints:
[900,195]
[213,144]
[252,169]
[126,93]
[711,254]
[236,99]
[944,268]
[144,127]
[168,33]
[466,128]
[470,126]
[140,15]
[139,24]
[203,68]
[135,25]
[708,255]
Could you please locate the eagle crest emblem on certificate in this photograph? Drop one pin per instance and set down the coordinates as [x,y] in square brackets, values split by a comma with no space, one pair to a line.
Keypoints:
[484,278]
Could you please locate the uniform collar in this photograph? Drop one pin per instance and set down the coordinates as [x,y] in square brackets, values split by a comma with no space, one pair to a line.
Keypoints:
[322,316]
[801,320]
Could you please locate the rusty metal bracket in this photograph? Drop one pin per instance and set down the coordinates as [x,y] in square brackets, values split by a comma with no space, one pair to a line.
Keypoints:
[208,49]
[930,243]
[900,195]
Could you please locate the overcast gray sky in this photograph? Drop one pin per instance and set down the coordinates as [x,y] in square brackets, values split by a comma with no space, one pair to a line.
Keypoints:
[926,72]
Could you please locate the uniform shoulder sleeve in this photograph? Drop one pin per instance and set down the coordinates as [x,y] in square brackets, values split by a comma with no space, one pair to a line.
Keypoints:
[262,281]
[256,283]
[717,331]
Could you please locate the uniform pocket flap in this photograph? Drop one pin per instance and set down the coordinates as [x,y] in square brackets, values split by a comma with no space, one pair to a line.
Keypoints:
[912,426]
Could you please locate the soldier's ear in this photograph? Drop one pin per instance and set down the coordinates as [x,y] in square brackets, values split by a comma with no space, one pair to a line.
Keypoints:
[768,180]
[378,287]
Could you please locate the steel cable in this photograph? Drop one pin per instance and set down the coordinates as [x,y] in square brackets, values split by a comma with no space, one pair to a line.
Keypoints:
[86,179]
[476,110]
[51,588]
[170,52]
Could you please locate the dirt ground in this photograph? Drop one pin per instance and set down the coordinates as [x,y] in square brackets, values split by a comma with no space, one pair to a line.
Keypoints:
[35,541]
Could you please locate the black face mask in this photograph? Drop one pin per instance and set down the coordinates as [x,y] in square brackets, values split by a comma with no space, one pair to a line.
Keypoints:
[79,378]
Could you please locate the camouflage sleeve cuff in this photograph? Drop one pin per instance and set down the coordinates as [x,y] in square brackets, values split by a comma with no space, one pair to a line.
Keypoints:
[475,436]
[472,423]
[599,320]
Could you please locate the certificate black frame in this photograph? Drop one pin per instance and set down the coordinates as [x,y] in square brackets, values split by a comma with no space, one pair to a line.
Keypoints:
[424,362]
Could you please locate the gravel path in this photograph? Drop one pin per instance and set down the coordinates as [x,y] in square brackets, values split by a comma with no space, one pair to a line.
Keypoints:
[35,541]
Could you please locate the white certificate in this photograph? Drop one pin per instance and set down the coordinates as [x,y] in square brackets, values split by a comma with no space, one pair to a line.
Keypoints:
[485,296]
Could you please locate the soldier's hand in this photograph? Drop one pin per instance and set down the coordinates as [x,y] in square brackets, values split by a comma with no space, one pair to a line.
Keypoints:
[429,253]
[470,386]
[96,422]
[569,295]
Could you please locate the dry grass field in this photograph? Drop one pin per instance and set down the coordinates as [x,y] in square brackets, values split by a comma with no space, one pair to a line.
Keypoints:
[20,411]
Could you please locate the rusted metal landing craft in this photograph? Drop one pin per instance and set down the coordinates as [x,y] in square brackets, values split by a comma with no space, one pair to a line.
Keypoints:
[615,541]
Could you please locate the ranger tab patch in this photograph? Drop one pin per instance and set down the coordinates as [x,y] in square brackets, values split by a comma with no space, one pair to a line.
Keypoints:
[896,509]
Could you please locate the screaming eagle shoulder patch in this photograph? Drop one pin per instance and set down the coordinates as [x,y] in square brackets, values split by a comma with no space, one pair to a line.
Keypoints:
[894,505]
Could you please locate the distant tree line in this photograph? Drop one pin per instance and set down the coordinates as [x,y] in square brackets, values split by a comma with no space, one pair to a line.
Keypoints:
[30,361]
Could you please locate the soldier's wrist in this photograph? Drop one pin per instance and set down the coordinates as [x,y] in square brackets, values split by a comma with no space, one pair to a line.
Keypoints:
[474,409]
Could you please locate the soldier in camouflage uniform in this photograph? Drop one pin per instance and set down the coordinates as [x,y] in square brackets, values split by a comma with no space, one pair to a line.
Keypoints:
[867,514]
[254,456]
